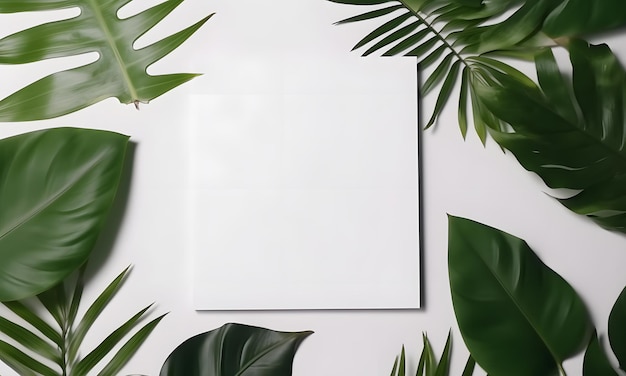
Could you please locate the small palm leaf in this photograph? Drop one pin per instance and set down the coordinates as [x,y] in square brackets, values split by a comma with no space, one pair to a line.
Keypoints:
[572,140]
[119,71]
[31,344]
[427,365]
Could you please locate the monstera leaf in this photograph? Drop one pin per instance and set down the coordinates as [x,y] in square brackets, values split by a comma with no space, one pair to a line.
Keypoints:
[119,71]
[517,316]
[235,349]
[56,189]
[455,39]
[569,132]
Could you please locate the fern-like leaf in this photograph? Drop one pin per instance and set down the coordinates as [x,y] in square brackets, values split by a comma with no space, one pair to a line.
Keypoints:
[119,71]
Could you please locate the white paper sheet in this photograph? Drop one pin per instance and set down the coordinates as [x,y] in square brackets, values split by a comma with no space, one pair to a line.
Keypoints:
[304,166]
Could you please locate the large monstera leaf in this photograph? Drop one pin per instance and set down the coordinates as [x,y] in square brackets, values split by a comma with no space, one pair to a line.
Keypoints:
[120,70]
[56,189]
[571,132]
[517,316]
[235,349]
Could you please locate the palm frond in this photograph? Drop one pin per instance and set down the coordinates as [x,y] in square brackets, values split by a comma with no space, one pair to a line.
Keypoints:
[444,35]
[39,348]
[119,71]
[428,364]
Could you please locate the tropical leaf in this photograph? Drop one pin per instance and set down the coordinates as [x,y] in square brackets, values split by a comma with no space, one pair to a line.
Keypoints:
[448,35]
[595,362]
[119,71]
[575,18]
[32,339]
[445,34]
[516,315]
[617,329]
[235,349]
[571,133]
[56,189]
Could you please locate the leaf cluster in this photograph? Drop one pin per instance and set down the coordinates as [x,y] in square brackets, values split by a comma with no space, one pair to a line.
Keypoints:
[516,315]
[40,348]
[463,39]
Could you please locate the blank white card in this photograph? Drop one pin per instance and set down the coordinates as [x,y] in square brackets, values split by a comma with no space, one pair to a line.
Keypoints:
[304,167]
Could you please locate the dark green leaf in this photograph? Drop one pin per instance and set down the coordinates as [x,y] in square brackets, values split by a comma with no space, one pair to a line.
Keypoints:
[462,113]
[582,17]
[56,188]
[235,349]
[588,155]
[516,315]
[432,57]
[444,94]
[394,370]
[382,30]
[469,367]
[438,74]
[369,15]
[393,37]
[596,362]
[443,368]
[120,70]
[554,85]
[411,41]
[617,329]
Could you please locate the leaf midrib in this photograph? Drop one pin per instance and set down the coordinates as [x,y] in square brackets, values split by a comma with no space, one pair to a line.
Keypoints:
[521,310]
[113,46]
[44,205]
[267,350]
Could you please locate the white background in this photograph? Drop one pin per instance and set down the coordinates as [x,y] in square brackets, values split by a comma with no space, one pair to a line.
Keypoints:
[459,177]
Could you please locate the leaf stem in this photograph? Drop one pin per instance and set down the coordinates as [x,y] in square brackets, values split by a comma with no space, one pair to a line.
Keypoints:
[432,29]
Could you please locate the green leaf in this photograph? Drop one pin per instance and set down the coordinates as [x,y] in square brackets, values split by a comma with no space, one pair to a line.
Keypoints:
[462,113]
[583,17]
[235,349]
[37,322]
[120,70]
[443,368]
[94,311]
[446,91]
[129,349]
[595,362]
[617,329]
[469,366]
[516,315]
[438,74]
[587,154]
[56,188]
[105,347]
[24,364]
[27,339]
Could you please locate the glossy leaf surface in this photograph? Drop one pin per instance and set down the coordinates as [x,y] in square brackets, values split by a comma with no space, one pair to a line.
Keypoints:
[595,362]
[56,188]
[570,132]
[516,315]
[582,17]
[235,349]
[617,329]
[119,71]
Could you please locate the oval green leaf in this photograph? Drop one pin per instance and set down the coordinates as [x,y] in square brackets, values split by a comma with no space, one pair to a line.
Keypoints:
[617,329]
[56,188]
[516,315]
[235,349]
[595,362]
